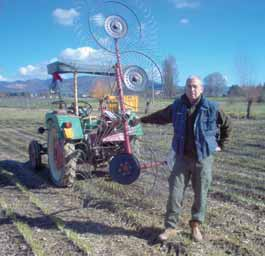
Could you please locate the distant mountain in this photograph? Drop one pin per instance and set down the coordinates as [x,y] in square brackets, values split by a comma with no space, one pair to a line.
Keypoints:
[85,83]
[32,86]
[40,86]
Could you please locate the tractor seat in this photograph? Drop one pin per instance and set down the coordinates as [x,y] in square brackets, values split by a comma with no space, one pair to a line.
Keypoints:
[110,115]
[60,112]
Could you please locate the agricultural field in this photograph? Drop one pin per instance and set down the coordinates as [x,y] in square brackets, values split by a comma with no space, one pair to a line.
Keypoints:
[99,217]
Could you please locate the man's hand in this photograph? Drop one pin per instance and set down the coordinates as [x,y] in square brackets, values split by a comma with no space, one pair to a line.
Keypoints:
[218,149]
[134,122]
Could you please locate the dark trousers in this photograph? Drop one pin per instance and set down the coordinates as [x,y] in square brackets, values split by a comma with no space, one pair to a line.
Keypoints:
[200,173]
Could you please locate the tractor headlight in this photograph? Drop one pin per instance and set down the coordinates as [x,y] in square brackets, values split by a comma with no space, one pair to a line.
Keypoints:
[68,130]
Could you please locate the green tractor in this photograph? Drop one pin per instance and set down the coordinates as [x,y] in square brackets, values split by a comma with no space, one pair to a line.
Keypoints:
[75,136]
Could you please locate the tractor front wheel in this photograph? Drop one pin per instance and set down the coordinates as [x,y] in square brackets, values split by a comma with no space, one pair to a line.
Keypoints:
[34,155]
[61,158]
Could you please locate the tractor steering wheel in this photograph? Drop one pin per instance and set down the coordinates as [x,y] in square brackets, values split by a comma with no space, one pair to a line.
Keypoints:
[84,110]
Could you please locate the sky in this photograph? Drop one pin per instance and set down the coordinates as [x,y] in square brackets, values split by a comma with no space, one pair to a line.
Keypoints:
[204,36]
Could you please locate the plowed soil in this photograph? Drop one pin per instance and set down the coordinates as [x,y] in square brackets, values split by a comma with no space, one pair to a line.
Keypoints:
[99,217]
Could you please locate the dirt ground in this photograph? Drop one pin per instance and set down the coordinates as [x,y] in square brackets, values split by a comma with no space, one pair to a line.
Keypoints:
[99,217]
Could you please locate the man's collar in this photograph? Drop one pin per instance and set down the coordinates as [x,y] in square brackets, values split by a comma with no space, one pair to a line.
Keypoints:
[186,101]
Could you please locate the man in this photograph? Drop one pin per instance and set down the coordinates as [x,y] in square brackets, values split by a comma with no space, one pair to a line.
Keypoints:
[196,122]
[54,86]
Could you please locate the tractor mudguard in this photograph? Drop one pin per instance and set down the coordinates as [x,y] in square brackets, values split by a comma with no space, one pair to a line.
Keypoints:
[60,119]
[138,130]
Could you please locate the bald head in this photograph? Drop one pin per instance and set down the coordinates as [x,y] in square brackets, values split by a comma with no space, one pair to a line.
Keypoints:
[195,79]
[193,88]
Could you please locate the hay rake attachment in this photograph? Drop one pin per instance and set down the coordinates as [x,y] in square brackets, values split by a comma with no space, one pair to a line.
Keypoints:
[76,141]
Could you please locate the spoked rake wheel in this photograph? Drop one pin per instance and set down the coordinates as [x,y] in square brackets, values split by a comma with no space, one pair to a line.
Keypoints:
[104,25]
[146,153]
[128,182]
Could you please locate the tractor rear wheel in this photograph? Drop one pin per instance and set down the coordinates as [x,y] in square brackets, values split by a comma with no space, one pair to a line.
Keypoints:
[35,155]
[61,158]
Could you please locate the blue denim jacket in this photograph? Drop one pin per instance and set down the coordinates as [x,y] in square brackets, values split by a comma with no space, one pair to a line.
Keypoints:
[205,127]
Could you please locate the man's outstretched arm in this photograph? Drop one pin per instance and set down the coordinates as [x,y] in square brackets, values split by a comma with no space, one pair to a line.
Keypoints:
[163,116]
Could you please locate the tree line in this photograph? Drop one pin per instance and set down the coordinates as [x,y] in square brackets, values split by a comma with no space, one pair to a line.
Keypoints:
[215,85]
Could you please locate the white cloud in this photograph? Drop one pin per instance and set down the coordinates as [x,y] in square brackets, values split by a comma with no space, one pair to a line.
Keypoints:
[184,21]
[65,17]
[83,55]
[2,78]
[86,55]
[98,19]
[26,70]
[80,54]
[179,4]
[34,71]
[52,60]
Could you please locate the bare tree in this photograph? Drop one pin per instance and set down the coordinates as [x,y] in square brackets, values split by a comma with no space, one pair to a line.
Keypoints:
[170,73]
[262,93]
[235,91]
[215,84]
[245,71]
[252,95]
[100,89]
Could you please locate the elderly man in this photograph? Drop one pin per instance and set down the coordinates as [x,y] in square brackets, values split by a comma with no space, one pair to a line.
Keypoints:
[200,130]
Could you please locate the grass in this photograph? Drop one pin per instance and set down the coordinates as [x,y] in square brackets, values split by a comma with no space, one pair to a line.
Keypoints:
[59,223]
[72,235]
[238,179]
[239,198]
[24,229]
[113,192]
[238,109]
[27,233]
[34,109]
[25,115]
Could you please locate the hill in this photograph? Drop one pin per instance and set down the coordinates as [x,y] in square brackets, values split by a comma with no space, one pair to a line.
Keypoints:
[85,84]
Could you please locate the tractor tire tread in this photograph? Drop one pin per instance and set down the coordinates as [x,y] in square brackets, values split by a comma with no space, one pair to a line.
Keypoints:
[70,166]
[36,146]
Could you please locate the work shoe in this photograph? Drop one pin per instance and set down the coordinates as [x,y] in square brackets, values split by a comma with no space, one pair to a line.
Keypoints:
[195,231]
[167,234]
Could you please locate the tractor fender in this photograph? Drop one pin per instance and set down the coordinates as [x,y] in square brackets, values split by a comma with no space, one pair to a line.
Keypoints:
[138,129]
[59,119]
